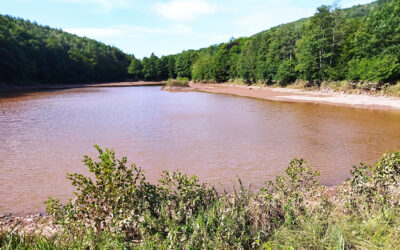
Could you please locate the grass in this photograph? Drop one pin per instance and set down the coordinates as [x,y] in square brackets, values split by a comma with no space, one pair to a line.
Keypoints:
[393,90]
[376,231]
[336,86]
[351,87]
[178,82]
[121,210]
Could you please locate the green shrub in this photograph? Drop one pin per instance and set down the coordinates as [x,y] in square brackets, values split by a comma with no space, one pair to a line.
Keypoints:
[376,69]
[119,209]
[103,204]
[182,199]
[120,200]
[179,82]
[286,72]
[10,240]
[374,187]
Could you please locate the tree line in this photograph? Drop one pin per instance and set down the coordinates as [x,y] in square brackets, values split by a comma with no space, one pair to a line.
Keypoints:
[33,53]
[361,43]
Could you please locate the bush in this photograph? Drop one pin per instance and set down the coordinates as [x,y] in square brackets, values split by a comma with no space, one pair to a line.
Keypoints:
[375,69]
[120,209]
[120,200]
[375,187]
[179,82]
[101,205]
[286,72]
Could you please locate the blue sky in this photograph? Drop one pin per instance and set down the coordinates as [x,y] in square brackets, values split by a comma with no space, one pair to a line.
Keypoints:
[164,26]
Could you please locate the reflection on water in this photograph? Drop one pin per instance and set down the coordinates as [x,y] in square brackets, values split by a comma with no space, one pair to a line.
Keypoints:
[217,137]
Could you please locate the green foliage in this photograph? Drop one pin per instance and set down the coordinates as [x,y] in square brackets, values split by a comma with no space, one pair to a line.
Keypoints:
[150,68]
[88,240]
[117,193]
[118,209]
[11,240]
[184,62]
[376,69]
[34,53]
[202,67]
[286,72]
[355,44]
[220,65]
[179,82]
[135,69]
[374,187]
[224,62]
[315,49]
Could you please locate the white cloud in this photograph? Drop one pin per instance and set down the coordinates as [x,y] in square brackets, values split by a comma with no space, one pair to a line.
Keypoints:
[350,3]
[108,5]
[129,31]
[261,15]
[184,10]
[101,5]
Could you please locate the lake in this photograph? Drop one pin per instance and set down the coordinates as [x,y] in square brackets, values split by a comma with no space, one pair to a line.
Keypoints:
[218,137]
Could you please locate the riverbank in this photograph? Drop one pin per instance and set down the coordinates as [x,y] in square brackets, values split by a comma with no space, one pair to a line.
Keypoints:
[33,224]
[7,88]
[360,99]
[365,100]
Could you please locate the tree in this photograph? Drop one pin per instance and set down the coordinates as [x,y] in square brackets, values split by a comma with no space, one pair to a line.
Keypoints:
[248,61]
[171,66]
[33,53]
[202,67]
[150,72]
[315,47]
[184,62]
[135,69]
[220,64]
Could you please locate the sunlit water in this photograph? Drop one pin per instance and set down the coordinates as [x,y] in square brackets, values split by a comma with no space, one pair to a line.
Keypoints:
[217,137]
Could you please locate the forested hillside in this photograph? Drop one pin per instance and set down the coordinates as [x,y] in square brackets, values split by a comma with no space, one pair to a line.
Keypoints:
[361,43]
[33,53]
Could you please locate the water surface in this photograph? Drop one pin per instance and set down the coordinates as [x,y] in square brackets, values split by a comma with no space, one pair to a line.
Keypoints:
[217,137]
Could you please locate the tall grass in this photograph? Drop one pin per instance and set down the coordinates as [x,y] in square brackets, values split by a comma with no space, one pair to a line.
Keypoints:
[178,82]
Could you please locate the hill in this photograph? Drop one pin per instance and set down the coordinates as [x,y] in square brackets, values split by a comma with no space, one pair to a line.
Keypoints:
[358,44]
[33,53]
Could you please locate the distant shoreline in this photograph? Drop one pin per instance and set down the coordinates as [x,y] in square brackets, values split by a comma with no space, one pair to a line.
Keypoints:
[364,101]
[9,88]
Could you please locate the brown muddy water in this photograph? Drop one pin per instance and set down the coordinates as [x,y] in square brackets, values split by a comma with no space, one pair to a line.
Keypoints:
[217,137]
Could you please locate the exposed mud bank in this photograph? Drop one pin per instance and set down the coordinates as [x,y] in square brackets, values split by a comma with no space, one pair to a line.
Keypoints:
[294,95]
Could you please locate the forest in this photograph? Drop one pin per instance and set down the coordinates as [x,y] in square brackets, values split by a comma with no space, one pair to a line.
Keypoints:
[356,44]
[31,53]
[359,44]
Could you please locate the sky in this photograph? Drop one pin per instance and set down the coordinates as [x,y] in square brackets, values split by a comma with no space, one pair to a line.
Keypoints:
[141,27]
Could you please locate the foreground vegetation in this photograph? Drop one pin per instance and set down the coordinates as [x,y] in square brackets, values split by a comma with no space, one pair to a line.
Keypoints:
[119,209]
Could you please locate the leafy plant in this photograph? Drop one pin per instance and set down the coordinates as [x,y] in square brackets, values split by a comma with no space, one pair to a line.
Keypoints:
[117,192]
[179,82]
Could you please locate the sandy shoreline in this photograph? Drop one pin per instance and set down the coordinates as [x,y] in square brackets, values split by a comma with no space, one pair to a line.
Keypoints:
[295,95]
[364,101]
